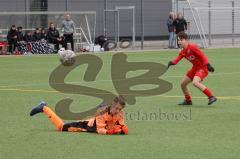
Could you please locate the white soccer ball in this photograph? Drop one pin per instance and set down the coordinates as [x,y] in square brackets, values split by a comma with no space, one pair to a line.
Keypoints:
[66,54]
[66,57]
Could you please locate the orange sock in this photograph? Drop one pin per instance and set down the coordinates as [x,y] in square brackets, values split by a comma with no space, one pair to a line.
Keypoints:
[53,117]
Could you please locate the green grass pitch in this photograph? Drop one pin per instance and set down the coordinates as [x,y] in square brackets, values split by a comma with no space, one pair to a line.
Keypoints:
[200,131]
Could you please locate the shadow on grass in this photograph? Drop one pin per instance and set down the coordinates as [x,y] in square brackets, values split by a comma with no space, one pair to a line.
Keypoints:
[198,106]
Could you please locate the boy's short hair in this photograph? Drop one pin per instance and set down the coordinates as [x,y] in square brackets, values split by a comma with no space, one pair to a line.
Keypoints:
[182,35]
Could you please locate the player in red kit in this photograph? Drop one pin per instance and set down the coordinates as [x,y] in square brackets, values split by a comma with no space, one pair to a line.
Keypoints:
[197,73]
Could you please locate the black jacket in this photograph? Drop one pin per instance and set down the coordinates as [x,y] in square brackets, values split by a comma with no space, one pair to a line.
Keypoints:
[170,25]
[20,36]
[28,38]
[52,35]
[11,34]
[44,36]
[180,25]
[37,36]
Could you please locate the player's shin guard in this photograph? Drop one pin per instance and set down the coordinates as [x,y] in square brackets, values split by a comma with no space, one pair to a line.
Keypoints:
[207,92]
[53,117]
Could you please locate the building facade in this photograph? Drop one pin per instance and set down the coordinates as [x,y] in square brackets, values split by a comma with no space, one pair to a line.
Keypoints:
[155,13]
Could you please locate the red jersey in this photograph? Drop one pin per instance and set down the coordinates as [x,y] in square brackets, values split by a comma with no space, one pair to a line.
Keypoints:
[194,55]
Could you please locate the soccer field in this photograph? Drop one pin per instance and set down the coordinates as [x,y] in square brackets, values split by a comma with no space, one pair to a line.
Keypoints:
[180,132]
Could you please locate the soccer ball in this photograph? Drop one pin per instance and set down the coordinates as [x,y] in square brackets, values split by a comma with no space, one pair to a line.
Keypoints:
[66,57]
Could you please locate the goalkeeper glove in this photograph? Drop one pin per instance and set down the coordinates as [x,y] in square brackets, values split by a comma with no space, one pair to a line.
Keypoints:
[116,130]
[210,68]
[170,63]
[125,130]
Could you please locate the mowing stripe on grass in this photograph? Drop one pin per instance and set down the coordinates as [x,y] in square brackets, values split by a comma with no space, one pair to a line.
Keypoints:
[164,96]
[178,76]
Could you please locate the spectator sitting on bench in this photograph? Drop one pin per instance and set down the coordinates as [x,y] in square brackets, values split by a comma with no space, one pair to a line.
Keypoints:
[37,35]
[20,40]
[28,37]
[20,36]
[44,34]
[53,37]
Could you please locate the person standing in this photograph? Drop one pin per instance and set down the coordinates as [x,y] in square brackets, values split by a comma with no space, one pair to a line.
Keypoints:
[171,30]
[12,38]
[180,25]
[197,73]
[68,28]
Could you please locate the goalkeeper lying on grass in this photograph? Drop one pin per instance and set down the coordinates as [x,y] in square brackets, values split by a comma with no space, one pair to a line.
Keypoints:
[107,120]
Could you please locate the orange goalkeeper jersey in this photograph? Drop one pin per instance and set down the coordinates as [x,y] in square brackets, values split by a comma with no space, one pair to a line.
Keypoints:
[106,121]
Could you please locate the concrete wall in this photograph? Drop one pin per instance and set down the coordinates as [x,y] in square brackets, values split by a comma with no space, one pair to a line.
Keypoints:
[155,13]
[12,5]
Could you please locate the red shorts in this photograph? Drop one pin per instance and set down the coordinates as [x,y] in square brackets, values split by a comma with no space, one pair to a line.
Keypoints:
[200,72]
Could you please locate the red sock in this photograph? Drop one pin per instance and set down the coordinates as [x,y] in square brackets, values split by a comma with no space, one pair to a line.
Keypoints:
[207,92]
[188,97]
